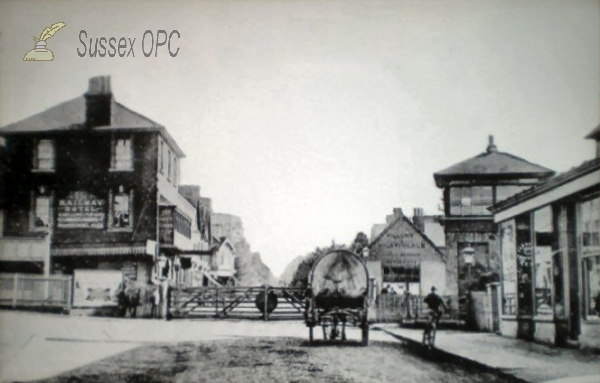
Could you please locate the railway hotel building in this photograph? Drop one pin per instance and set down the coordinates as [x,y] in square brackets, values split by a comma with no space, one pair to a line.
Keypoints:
[93,190]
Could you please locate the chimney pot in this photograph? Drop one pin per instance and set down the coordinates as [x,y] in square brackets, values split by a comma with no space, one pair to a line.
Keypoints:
[491,146]
[98,102]
[99,85]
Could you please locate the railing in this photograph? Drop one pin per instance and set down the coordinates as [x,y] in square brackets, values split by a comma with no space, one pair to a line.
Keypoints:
[237,302]
[405,308]
[22,290]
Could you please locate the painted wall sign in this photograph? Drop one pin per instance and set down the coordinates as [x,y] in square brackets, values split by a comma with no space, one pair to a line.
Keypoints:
[81,210]
[166,224]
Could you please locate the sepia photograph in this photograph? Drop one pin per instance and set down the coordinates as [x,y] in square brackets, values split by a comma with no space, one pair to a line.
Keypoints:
[299,191]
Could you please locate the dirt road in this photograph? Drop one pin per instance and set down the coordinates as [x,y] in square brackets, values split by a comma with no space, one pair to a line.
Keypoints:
[271,360]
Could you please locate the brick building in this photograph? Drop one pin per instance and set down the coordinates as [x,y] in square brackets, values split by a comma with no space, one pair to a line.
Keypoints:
[93,191]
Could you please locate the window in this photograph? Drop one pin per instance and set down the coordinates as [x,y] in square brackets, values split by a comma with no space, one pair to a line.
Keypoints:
[183,225]
[472,200]
[524,260]
[161,149]
[121,210]
[122,154]
[175,171]
[544,238]
[44,155]
[507,191]
[42,213]
[589,213]
[169,165]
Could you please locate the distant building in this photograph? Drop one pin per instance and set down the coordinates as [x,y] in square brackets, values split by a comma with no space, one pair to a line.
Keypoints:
[93,191]
[550,241]
[470,187]
[409,259]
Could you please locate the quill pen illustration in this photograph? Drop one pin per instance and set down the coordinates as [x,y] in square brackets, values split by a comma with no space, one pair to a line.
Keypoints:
[41,52]
[50,31]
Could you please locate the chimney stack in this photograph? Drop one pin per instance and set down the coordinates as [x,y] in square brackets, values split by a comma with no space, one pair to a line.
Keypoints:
[98,101]
[491,146]
[418,218]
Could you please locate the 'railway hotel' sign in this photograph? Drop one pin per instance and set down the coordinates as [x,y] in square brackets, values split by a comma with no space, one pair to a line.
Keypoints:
[81,210]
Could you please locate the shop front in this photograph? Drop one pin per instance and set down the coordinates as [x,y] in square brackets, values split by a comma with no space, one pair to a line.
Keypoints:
[550,247]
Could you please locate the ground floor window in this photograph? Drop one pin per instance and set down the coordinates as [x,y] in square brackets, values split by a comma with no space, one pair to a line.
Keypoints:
[589,223]
[524,265]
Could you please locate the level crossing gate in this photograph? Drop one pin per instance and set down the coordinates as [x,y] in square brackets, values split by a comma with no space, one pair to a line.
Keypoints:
[238,302]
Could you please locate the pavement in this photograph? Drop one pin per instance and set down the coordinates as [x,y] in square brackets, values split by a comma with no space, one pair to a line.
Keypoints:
[521,360]
[36,346]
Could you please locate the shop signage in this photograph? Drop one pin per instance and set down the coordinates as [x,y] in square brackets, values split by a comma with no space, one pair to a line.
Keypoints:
[95,288]
[166,224]
[81,210]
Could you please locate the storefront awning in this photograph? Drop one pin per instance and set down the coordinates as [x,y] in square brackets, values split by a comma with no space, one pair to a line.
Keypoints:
[97,251]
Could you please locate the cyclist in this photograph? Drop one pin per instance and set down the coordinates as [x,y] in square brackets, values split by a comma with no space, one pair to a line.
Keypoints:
[436,305]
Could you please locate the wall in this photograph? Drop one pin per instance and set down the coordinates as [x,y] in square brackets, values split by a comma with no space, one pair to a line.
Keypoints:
[545,331]
[464,232]
[590,334]
[82,164]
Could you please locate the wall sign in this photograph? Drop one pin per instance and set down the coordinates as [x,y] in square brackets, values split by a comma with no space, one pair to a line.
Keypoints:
[81,210]
[166,224]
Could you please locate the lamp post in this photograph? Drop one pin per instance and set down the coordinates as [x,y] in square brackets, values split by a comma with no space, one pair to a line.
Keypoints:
[468,254]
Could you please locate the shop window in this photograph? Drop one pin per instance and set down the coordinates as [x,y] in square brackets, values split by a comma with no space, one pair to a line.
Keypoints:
[544,239]
[590,250]
[509,267]
[121,210]
[469,201]
[122,154]
[524,265]
[44,155]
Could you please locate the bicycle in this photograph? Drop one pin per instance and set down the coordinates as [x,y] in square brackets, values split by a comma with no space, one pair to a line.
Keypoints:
[430,331]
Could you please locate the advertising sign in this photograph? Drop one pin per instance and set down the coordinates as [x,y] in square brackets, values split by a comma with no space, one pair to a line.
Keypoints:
[81,210]
[95,288]
[166,226]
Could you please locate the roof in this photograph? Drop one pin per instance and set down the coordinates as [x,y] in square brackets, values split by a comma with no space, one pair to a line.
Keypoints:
[594,134]
[70,115]
[190,193]
[552,183]
[492,163]
[402,218]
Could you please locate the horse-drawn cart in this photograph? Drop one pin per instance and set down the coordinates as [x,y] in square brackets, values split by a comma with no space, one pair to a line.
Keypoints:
[337,294]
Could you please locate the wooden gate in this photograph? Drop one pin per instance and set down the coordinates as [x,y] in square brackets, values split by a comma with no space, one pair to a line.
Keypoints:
[238,302]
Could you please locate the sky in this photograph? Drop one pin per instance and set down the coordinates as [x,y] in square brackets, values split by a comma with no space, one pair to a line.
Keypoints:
[312,120]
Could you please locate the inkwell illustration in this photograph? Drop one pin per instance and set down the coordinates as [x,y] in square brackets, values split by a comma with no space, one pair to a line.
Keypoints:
[40,52]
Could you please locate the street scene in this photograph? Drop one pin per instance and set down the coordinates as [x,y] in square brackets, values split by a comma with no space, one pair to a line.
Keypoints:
[297,191]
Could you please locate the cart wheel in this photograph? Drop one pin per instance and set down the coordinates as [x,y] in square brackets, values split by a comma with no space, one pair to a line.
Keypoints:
[365,334]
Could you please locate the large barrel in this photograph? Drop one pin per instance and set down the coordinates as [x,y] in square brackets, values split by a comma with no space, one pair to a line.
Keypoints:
[339,279]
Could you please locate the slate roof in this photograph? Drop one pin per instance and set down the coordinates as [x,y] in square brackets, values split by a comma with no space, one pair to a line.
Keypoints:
[492,164]
[403,218]
[70,115]
[552,183]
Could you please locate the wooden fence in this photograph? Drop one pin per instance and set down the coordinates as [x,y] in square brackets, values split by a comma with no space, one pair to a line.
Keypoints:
[35,291]
[406,309]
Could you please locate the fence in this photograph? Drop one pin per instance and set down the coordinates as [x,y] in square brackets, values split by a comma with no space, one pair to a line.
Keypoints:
[405,309]
[34,291]
[237,302]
